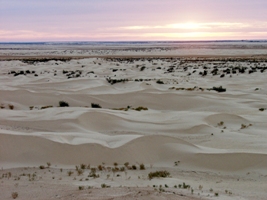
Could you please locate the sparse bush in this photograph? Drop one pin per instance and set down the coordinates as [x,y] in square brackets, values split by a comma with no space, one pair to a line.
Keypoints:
[219,89]
[185,186]
[14,195]
[70,173]
[142,167]
[81,187]
[160,82]
[126,164]
[63,104]
[79,172]
[158,174]
[141,108]
[41,167]
[82,166]
[104,186]
[11,107]
[220,123]
[45,107]
[142,68]
[243,126]
[176,163]
[94,105]
[100,168]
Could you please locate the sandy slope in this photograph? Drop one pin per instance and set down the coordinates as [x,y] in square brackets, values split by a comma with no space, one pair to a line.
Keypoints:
[219,139]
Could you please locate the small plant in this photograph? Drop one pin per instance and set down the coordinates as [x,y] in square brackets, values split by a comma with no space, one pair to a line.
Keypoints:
[160,82]
[94,105]
[219,89]
[142,68]
[262,109]
[185,186]
[41,167]
[100,168]
[243,126]
[14,195]
[176,163]
[216,194]
[11,107]
[141,108]
[104,186]
[48,164]
[63,104]
[142,167]
[82,166]
[79,172]
[220,123]
[69,173]
[81,187]
[126,164]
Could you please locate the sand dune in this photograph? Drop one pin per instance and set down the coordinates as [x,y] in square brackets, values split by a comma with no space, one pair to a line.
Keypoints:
[154,110]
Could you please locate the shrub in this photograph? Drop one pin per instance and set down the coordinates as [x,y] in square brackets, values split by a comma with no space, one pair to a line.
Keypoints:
[82,166]
[81,187]
[160,82]
[158,174]
[70,173]
[184,186]
[141,108]
[142,68]
[11,107]
[142,167]
[105,186]
[63,104]
[14,195]
[41,167]
[94,105]
[45,107]
[79,172]
[219,89]
[220,123]
[126,164]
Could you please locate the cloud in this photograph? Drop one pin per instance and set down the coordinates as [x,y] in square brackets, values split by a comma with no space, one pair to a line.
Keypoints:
[190,26]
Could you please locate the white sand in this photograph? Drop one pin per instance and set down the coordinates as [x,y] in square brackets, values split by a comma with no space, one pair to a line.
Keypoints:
[179,125]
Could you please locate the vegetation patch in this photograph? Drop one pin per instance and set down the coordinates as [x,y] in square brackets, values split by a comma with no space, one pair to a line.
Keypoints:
[158,174]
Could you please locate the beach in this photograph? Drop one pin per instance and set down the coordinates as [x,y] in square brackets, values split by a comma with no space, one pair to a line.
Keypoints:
[83,121]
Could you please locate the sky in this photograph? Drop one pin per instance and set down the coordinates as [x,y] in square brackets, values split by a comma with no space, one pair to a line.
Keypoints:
[132,20]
